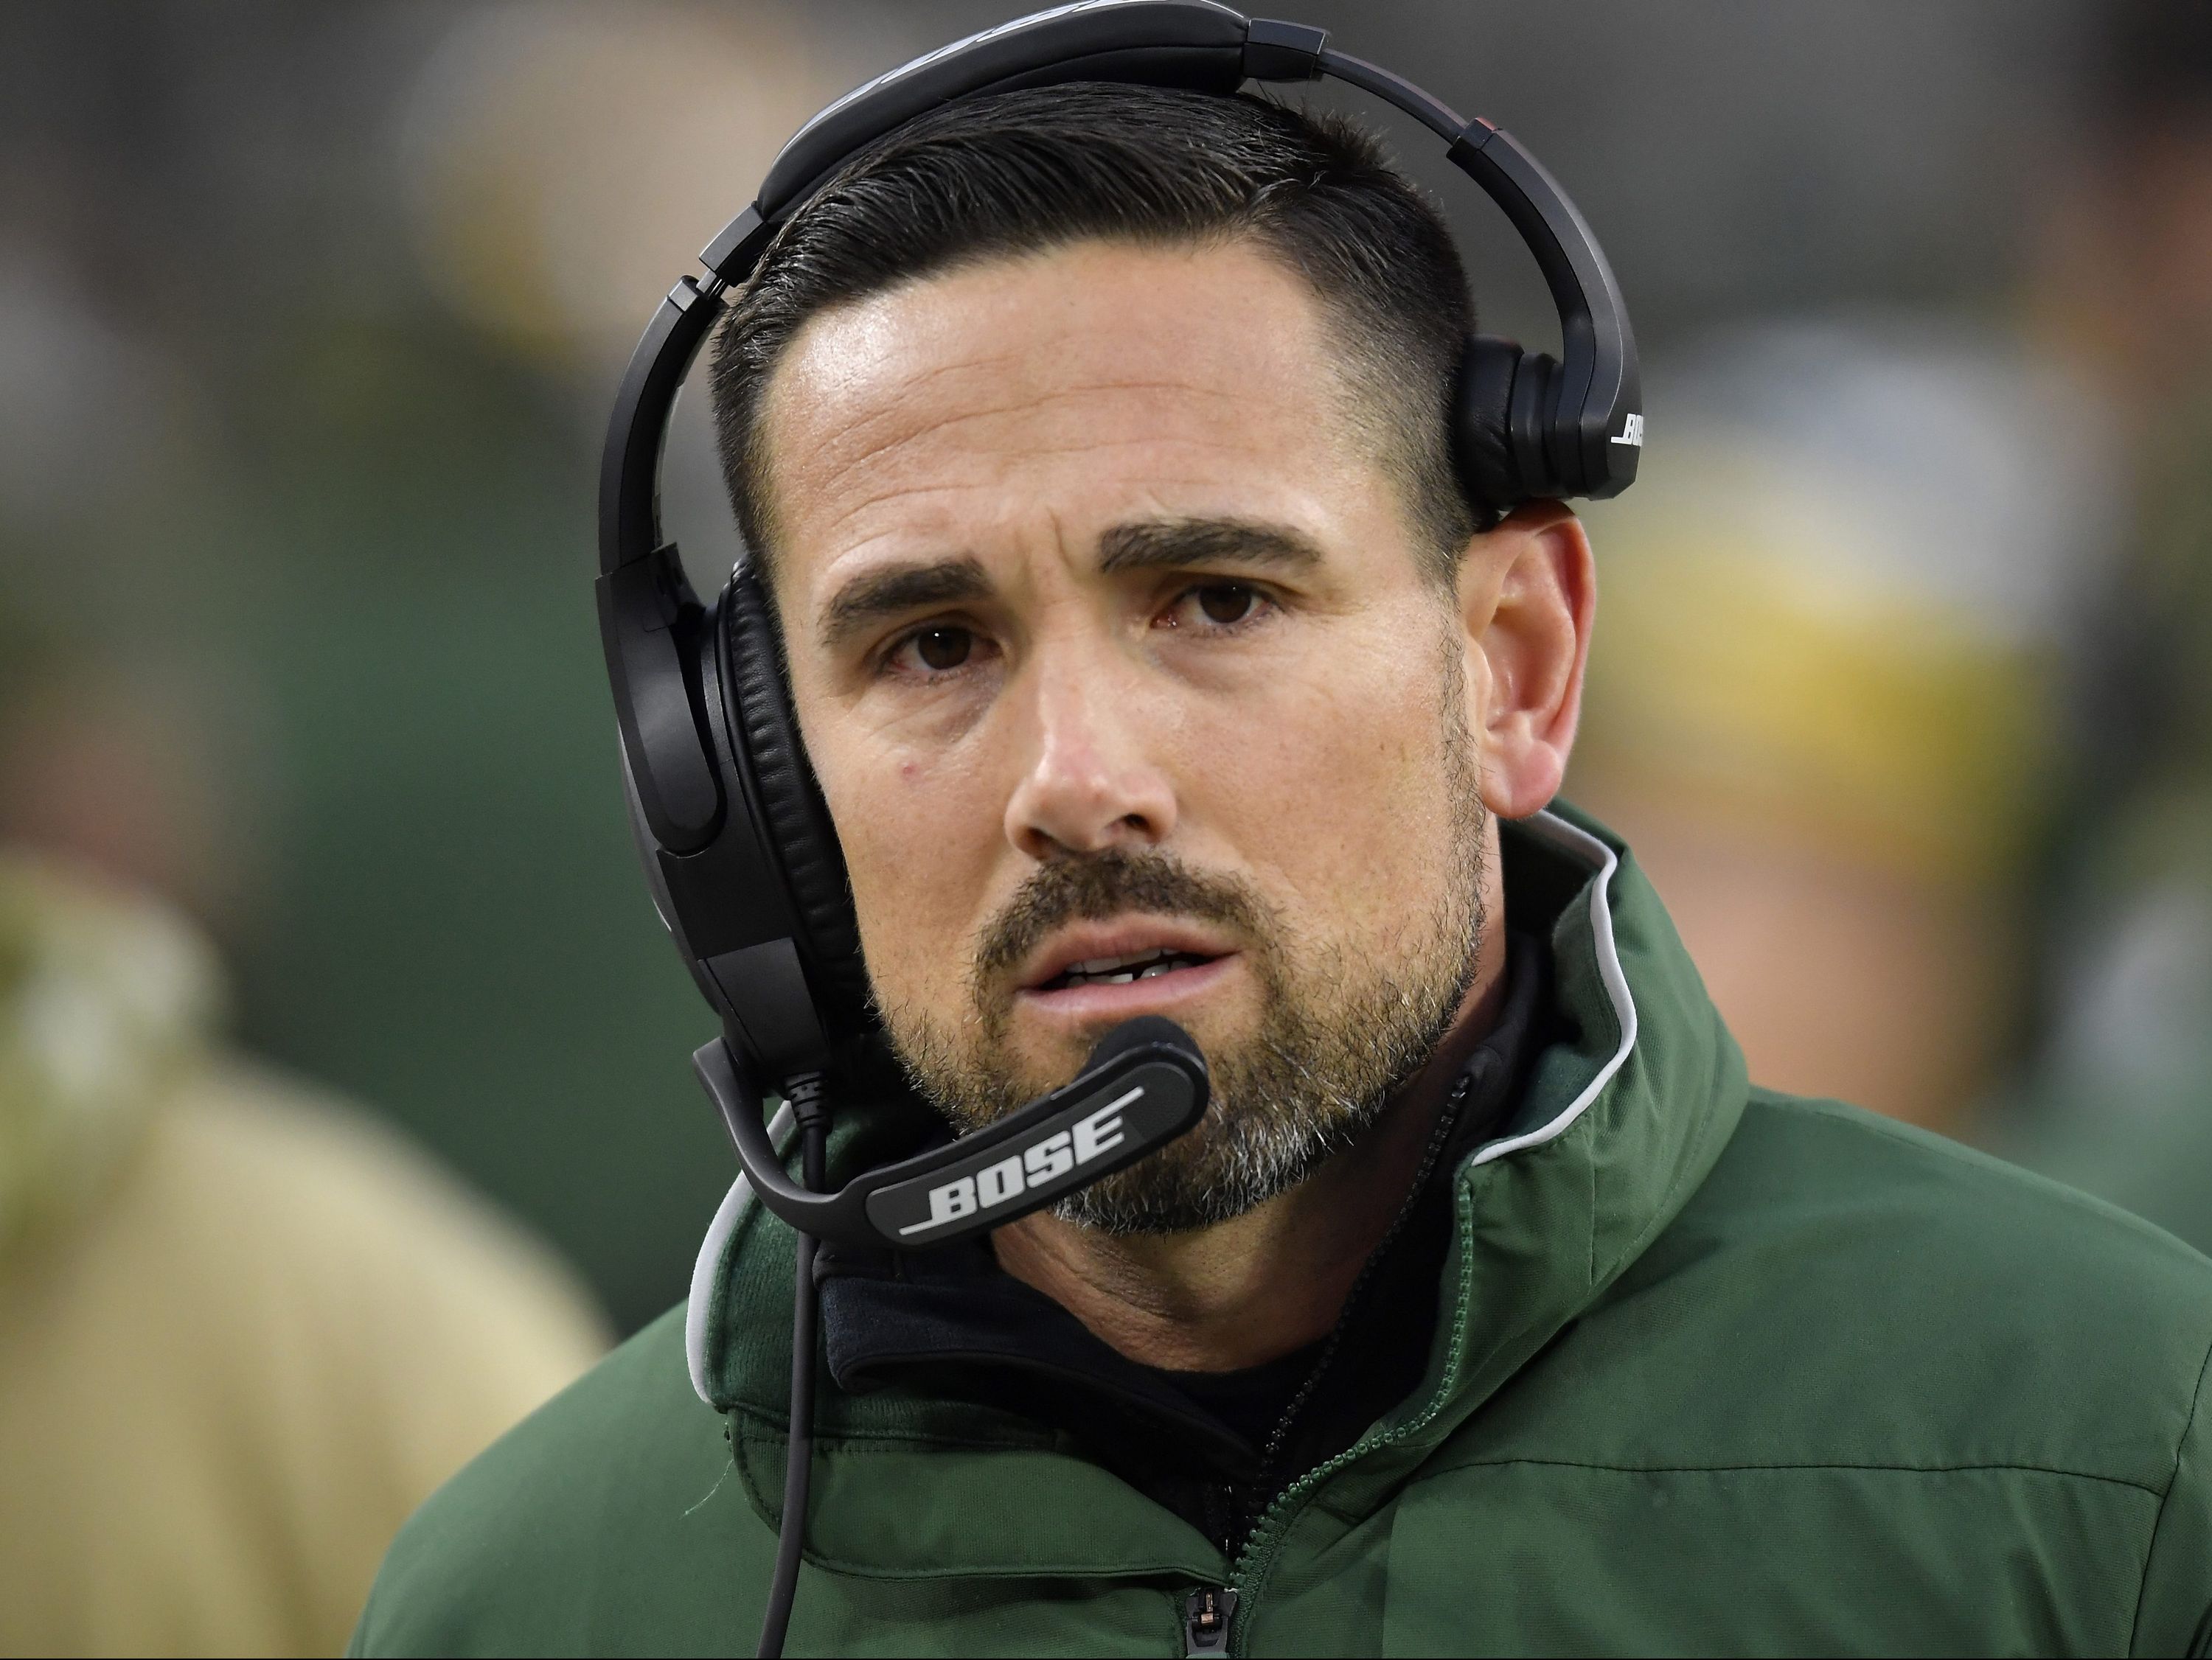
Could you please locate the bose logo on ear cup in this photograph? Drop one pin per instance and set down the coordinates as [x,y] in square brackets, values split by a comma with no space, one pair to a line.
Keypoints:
[1631,432]
[1090,1135]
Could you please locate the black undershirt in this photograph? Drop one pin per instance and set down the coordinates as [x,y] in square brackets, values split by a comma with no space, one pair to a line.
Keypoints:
[1213,1447]
[1251,1402]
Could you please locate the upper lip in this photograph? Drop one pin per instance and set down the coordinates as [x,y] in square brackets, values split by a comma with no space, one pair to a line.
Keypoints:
[1125,937]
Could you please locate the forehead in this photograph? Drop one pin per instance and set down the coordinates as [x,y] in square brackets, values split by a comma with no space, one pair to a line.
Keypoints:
[1083,387]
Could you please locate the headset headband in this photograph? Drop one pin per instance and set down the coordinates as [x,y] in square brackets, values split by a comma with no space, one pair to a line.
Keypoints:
[1590,434]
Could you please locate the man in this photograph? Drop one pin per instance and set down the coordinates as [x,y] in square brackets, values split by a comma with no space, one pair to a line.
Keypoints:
[2119,1100]
[1151,661]
[244,1328]
[1829,721]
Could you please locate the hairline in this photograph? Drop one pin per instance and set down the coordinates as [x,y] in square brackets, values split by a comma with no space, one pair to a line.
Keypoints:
[1378,421]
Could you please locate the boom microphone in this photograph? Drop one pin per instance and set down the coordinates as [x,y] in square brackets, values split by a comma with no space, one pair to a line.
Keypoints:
[1144,1085]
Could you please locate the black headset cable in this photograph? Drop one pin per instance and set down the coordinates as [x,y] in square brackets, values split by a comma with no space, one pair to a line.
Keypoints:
[809,1107]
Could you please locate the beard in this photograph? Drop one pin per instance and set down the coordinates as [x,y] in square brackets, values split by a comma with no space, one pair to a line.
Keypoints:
[1341,1026]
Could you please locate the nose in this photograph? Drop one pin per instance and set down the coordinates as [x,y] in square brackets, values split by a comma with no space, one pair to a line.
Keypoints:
[1093,782]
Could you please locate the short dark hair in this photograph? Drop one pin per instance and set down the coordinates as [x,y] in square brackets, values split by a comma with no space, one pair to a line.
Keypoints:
[1019,173]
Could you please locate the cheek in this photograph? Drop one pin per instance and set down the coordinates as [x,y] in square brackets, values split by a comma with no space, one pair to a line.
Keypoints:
[920,843]
[1339,796]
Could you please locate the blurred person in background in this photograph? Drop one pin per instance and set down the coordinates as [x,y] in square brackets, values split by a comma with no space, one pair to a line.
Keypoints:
[2119,1099]
[244,1331]
[1829,718]
[306,466]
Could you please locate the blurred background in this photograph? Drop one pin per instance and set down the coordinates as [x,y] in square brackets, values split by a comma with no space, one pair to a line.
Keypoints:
[309,321]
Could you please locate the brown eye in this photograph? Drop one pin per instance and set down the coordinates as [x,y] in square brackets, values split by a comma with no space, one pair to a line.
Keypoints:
[1226,602]
[943,648]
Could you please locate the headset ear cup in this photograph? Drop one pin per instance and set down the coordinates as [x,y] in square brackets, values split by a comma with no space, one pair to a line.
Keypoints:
[1532,414]
[795,819]
[1482,432]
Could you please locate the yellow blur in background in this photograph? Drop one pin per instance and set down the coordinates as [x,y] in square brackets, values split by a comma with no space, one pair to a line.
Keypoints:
[1826,699]
[244,1331]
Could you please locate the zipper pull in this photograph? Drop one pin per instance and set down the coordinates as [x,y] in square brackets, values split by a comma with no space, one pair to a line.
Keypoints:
[1205,1615]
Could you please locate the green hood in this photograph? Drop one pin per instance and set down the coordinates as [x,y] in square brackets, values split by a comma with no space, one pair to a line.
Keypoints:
[1621,1119]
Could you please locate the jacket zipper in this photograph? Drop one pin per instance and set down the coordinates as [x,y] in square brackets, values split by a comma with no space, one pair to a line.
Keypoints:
[1207,1613]
[1248,1557]
[1260,1546]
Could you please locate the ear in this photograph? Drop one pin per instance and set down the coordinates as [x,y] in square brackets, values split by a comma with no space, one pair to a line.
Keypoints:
[1528,593]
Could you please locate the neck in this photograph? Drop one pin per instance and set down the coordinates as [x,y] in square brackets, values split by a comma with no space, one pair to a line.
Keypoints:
[1275,1279]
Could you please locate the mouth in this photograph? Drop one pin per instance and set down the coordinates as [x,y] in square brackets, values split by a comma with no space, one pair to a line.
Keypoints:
[1125,969]
[1100,970]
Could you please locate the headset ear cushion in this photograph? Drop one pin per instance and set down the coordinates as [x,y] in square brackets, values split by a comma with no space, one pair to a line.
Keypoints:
[1482,434]
[795,818]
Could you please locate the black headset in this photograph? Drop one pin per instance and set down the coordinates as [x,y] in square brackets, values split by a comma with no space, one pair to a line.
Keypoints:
[743,863]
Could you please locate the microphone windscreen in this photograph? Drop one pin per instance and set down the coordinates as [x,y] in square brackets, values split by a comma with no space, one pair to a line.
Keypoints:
[1145,1030]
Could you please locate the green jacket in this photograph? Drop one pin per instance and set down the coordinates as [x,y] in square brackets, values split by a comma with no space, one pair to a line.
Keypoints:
[1716,1370]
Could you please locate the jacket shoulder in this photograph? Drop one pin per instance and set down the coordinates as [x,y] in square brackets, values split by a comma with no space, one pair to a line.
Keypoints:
[610,1521]
[1796,1165]
[1888,1297]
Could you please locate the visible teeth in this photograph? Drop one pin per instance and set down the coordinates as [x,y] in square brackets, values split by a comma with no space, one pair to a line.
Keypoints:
[1108,965]
[1120,970]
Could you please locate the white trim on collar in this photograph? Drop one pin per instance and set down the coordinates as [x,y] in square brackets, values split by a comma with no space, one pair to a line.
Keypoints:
[708,1266]
[1568,839]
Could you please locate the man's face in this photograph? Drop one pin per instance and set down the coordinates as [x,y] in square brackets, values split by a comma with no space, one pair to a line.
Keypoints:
[1130,693]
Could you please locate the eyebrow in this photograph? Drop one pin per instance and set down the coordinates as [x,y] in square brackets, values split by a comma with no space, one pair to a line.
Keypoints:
[881,595]
[1178,544]
[1152,544]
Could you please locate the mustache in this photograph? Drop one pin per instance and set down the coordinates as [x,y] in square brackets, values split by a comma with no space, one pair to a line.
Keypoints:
[1094,887]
